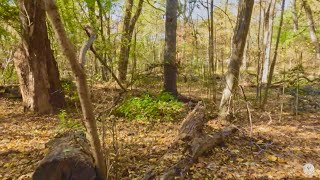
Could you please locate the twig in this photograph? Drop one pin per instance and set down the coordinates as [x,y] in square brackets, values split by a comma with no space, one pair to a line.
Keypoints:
[248,110]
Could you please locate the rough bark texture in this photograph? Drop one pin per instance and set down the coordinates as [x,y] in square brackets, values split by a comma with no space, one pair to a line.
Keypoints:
[69,157]
[312,28]
[191,143]
[36,67]
[170,68]
[267,41]
[82,87]
[238,44]
[126,38]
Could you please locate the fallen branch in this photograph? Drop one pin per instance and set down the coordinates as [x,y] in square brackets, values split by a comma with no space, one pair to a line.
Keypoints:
[191,143]
[292,81]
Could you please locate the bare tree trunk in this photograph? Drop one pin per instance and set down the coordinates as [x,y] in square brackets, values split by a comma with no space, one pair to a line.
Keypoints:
[267,42]
[170,68]
[312,28]
[246,55]
[238,44]
[81,82]
[274,57]
[258,89]
[211,34]
[295,16]
[36,67]
[126,38]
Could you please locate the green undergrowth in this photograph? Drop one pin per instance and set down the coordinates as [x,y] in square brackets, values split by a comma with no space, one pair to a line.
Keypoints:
[163,107]
[67,122]
[70,90]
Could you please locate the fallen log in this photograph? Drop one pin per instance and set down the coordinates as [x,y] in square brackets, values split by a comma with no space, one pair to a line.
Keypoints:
[69,157]
[10,92]
[192,125]
[191,143]
[198,147]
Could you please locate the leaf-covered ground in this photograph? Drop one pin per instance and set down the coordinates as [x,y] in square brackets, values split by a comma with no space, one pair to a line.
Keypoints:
[277,149]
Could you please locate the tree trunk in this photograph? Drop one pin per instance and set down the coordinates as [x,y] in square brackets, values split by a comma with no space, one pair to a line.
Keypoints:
[170,68]
[91,4]
[82,87]
[295,16]
[126,38]
[36,67]
[211,34]
[274,60]
[238,44]
[312,28]
[267,42]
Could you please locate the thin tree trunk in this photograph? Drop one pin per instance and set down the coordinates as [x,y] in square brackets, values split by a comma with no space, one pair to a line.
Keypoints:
[238,43]
[106,46]
[134,63]
[312,28]
[273,64]
[126,38]
[170,68]
[267,42]
[211,34]
[258,89]
[92,8]
[82,86]
[36,67]
[295,16]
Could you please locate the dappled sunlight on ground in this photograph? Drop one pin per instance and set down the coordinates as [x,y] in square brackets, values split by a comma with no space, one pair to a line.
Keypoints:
[277,149]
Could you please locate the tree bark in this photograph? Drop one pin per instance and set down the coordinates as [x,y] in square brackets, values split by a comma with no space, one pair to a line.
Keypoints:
[312,28]
[191,143]
[267,42]
[295,16]
[126,38]
[35,64]
[170,68]
[274,60]
[68,157]
[82,87]
[238,44]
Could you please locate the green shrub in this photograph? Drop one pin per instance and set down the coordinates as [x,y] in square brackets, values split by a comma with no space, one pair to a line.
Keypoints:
[164,107]
[70,89]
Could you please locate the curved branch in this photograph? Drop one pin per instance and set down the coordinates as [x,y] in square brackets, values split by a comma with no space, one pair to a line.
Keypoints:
[159,9]
[103,61]
[86,46]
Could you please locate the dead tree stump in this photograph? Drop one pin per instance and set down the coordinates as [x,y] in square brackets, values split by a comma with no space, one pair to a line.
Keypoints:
[69,157]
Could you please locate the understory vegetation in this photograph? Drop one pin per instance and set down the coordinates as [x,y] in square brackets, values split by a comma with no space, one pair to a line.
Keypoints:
[166,89]
[163,107]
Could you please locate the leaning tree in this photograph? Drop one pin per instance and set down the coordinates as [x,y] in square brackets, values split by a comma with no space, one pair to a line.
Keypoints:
[238,44]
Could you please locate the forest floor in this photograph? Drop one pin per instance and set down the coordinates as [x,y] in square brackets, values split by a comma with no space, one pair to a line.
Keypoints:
[278,148]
